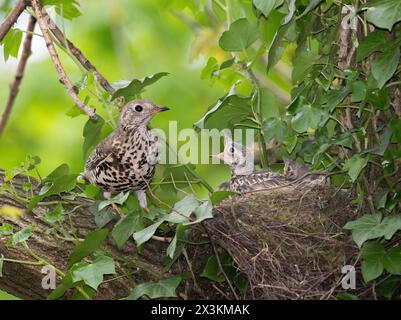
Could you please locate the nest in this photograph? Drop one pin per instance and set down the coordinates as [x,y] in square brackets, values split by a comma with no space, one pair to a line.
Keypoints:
[289,243]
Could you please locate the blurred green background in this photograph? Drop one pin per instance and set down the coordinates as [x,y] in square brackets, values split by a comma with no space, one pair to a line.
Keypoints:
[124,39]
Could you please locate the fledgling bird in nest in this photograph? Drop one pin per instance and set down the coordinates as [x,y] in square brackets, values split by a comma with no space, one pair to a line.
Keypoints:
[243,177]
[125,160]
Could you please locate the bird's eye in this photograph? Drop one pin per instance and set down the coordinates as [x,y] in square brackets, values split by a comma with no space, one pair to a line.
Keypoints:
[232,150]
[138,108]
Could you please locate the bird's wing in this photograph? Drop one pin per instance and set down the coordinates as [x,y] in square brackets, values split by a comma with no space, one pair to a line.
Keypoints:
[101,153]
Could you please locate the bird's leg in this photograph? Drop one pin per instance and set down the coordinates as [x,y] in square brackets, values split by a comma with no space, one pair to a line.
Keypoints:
[107,195]
[141,195]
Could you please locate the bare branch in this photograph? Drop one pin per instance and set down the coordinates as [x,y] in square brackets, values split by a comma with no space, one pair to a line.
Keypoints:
[40,16]
[78,54]
[12,18]
[14,86]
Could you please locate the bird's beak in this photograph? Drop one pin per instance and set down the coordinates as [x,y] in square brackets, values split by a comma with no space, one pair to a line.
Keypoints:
[218,156]
[162,108]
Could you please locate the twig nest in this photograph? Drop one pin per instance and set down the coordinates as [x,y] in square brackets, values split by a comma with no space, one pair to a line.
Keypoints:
[289,243]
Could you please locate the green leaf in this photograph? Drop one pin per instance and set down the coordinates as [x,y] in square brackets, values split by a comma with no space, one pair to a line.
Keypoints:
[392,260]
[375,41]
[55,215]
[65,8]
[183,209]
[212,270]
[179,234]
[163,289]
[91,243]
[240,35]
[219,196]
[102,217]
[383,13]
[62,288]
[266,6]
[119,199]
[346,296]
[91,134]
[92,274]
[274,128]
[126,227]
[276,48]
[395,125]
[12,42]
[366,227]
[203,212]
[308,118]
[384,67]
[211,67]
[354,166]
[358,91]
[21,235]
[392,224]
[6,229]
[379,98]
[230,109]
[144,235]
[136,87]
[371,269]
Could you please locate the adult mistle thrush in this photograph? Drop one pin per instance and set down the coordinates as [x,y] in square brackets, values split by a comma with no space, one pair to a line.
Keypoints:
[125,160]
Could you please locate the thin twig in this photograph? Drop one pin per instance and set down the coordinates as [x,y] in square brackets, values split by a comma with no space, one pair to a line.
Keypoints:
[12,18]
[14,86]
[67,44]
[40,16]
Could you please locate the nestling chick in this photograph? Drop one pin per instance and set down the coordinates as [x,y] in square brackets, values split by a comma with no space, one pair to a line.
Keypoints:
[295,171]
[243,179]
[125,160]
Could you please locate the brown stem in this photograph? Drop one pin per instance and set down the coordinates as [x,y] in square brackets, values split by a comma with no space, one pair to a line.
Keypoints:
[12,18]
[40,16]
[78,54]
[14,86]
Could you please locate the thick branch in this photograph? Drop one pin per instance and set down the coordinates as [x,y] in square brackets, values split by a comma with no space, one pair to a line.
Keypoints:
[12,18]
[14,86]
[78,54]
[39,12]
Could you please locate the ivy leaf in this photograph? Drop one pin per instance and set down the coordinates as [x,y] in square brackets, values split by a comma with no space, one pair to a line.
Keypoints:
[144,235]
[392,260]
[65,8]
[12,42]
[358,91]
[55,215]
[266,6]
[308,118]
[91,134]
[21,235]
[366,227]
[372,260]
[240,35]
[384,67]
[383,13]
[126,227]
[219,196]
[179,234]
[203,212]
[232,107]
[136,87]
[183,209]
[91,243]
[102,217]
[395,126]
[6,229]
[212,270]
[375,41]
[163,289]
[391,225]
[119,199]
[274,128]
[354,166]
[211,67]
[61,289]
[92,274]
[276,48]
